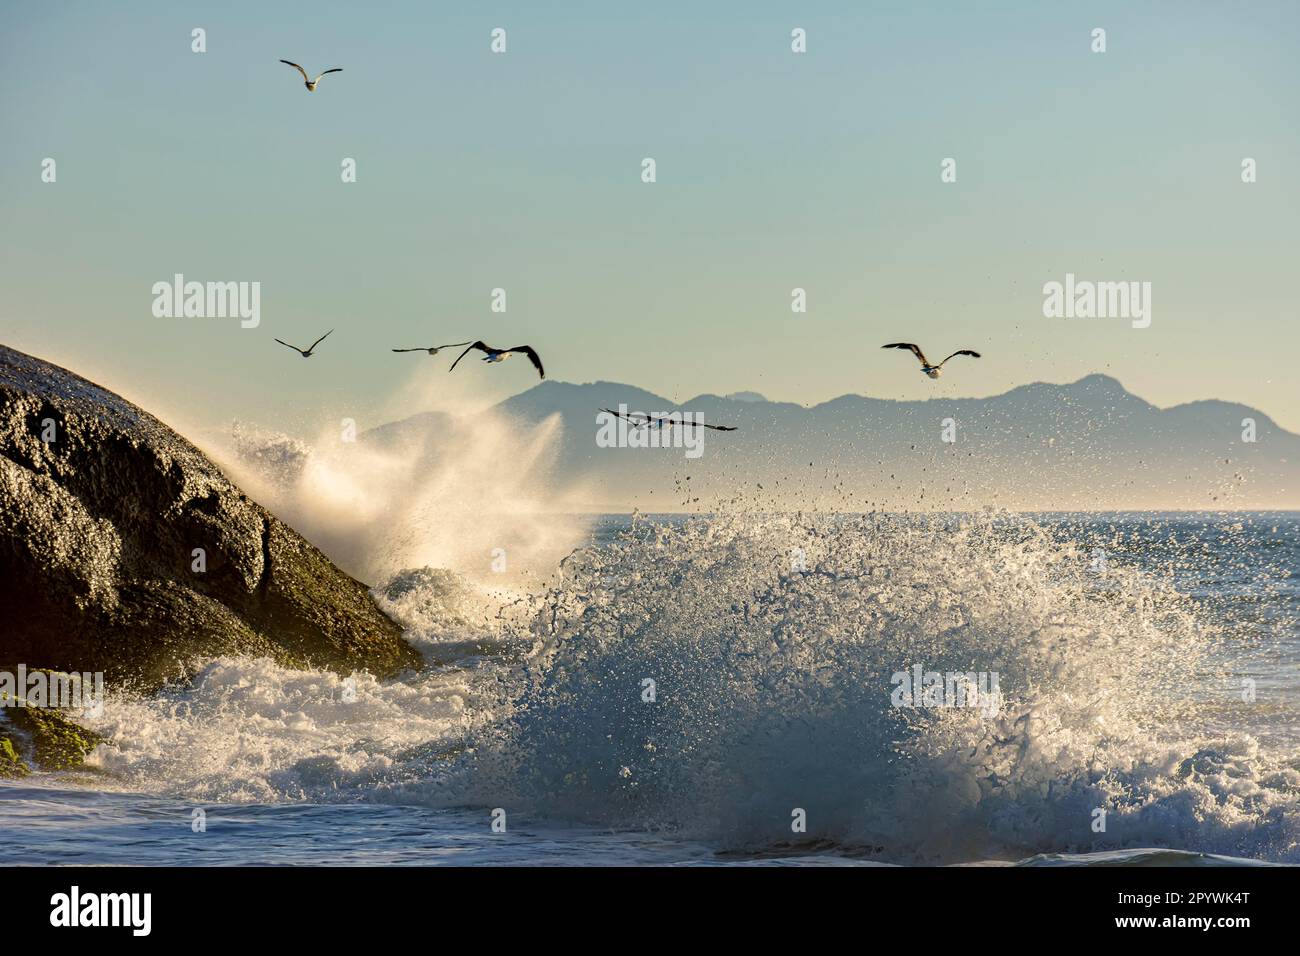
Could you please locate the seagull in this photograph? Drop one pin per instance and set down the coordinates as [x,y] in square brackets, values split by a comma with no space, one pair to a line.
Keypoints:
[311,84]
[500,355]
[434,349]
[934,371]
[308,352]
[664,423]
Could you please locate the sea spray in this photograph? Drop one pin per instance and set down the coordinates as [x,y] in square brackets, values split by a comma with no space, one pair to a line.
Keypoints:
[440,489]
[771,693]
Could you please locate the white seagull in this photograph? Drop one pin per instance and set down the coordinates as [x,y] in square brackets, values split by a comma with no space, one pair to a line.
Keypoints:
[934,371]
[500,355]
[312,348]
[311,84]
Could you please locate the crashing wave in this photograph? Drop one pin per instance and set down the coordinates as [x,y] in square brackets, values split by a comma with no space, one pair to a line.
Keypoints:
[772,643]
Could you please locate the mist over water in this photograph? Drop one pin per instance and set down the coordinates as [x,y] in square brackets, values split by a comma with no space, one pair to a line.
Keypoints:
[446,489]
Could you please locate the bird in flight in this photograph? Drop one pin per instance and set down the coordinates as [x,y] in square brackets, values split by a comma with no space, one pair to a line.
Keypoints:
[433,350]
[311,84]
[500,355]
[308,352]
[934,371]
[641,420]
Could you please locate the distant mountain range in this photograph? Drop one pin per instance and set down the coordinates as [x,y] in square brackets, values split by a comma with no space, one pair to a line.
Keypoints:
[1087,445]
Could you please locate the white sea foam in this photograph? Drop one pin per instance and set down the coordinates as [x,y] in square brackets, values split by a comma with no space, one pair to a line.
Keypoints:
[772,692]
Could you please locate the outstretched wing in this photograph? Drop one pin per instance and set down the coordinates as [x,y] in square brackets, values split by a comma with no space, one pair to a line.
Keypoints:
[287,345]
[915,349]
[716,428]
[477,345]
[961,352]
[451,345]
[320,340]
[641,419]
[337,69]
[410,350]
[532,357]
[298,68]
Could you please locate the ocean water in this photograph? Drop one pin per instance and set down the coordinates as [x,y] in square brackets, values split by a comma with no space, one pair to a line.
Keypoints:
[685,690]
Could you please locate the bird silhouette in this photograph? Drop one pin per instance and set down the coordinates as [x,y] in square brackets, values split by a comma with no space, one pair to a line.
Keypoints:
[308,352]
[641,420]
[433,349]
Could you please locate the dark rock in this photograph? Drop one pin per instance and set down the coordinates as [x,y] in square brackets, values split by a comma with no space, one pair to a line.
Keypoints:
[101,509]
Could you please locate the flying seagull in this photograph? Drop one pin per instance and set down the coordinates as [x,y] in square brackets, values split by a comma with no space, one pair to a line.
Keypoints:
[311,84]
[934,371]
[434,349]
[308,352]
[500,355]
[664,422]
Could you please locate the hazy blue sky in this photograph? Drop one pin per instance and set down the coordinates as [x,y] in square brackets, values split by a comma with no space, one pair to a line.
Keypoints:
[775,170]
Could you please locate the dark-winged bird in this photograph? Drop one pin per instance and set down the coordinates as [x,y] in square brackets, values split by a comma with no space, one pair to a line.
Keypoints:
[500,355]
[641,419]
[433,349]
[934,371]
[307,80]
[312,348]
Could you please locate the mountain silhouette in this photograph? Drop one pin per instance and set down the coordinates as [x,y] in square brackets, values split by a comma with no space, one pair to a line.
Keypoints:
[1086,445]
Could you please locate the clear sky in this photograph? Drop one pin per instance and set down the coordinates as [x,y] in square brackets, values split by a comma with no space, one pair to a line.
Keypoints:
[775,170]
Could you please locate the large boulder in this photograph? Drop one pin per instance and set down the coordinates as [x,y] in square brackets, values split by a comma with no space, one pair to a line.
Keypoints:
[102,511]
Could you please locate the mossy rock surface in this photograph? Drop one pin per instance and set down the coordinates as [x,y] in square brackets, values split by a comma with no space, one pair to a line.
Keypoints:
[11,765]
[54,740]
